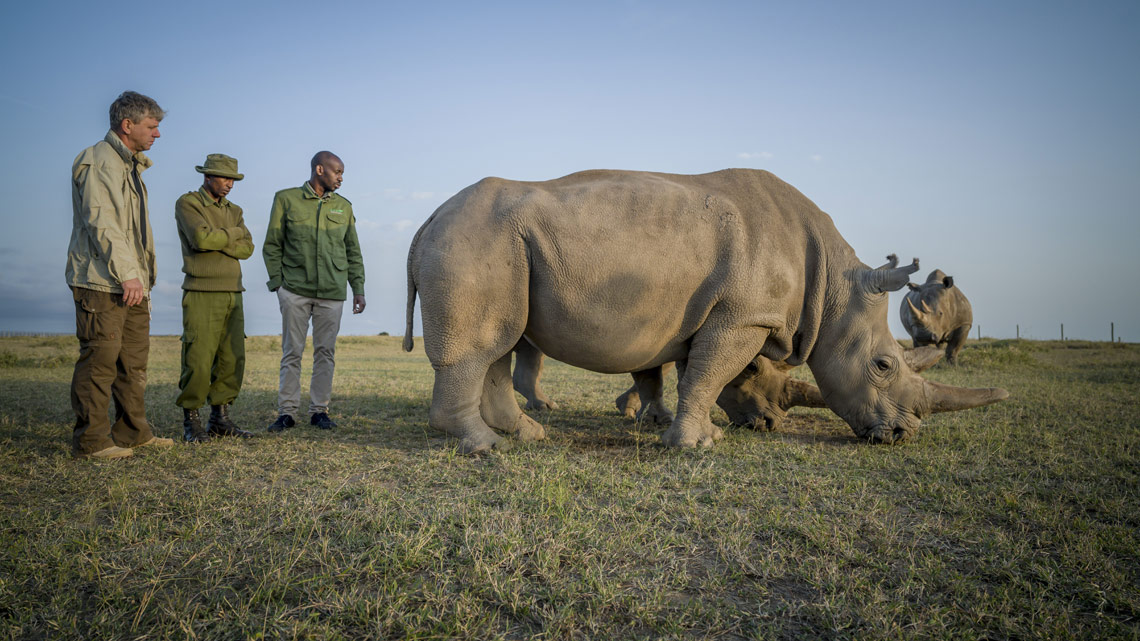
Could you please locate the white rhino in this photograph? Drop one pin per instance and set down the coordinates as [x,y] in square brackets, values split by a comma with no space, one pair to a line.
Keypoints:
[937,313]
[619,271]
[759,397]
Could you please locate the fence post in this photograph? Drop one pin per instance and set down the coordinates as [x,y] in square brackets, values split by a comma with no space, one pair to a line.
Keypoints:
[1062,331]
[979,332]
[1112,332]
[1018,330]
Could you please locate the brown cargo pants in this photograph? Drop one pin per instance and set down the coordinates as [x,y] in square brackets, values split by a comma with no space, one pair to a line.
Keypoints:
[114,342]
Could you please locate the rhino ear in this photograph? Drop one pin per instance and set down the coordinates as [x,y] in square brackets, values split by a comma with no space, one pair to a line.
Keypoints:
[913,287]
[948,282]
[892,262]
[888,279]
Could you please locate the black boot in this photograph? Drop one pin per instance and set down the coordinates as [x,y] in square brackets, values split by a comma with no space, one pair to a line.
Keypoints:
[221,425]
[192,430]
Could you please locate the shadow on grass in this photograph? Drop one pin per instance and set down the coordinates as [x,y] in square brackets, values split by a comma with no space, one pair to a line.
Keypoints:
[39,421]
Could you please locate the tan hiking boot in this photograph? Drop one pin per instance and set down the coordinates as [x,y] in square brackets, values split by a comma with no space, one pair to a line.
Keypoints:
[111,452]
[157,441]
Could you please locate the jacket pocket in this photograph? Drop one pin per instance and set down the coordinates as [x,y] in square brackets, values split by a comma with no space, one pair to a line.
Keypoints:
[337,218]
[97,315]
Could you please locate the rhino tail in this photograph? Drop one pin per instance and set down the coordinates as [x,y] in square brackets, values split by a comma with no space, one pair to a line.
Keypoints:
[409,341]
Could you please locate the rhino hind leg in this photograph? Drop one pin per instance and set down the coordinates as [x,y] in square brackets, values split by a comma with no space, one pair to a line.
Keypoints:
[715,358]
[455,408]
[499,408]
[650,385]
[528,371]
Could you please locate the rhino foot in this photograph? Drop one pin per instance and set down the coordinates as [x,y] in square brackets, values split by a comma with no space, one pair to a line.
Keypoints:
[629,403]
[542,405]
[481,445]
[679,435]
[656,414]
[528,429]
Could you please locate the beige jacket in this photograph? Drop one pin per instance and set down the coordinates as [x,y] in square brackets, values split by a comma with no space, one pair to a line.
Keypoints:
[107,246]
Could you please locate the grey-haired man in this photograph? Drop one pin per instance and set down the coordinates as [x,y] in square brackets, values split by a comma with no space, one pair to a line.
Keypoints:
[111,270]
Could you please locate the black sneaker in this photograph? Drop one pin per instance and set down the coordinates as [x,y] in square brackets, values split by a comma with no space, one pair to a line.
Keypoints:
[322,421]
[284,421]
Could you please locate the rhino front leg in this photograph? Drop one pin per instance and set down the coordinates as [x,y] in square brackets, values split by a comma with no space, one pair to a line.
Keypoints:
[715,358]
[650,384]
[499,408]
[954,343]
[528,371]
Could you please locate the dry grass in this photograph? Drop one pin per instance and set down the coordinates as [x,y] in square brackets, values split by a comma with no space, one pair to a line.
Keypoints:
[1017,520]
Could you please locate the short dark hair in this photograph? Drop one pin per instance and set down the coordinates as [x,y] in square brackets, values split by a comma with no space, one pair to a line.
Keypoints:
[320,158]
[135,107]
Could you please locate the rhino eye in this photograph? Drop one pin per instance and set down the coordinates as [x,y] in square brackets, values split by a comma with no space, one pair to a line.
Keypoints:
[883,364]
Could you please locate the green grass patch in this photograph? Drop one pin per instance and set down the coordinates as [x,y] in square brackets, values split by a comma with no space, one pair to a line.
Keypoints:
[1018,520]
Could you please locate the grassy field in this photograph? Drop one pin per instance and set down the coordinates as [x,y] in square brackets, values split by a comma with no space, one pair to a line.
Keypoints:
[1018,520]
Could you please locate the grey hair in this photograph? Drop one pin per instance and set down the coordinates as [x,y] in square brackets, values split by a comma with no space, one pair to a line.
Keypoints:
[135,107]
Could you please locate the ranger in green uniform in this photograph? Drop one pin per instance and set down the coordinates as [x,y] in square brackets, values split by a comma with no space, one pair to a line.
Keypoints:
[311,254]
[214,238]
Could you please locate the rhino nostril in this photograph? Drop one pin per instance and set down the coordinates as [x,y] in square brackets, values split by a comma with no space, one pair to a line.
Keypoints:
[898,434]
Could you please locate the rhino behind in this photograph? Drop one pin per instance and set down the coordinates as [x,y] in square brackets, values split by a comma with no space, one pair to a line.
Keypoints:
[937,313]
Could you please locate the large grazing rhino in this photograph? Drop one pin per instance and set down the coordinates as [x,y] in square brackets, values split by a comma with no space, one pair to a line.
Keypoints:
[759,397]
[937,313]
[617,271]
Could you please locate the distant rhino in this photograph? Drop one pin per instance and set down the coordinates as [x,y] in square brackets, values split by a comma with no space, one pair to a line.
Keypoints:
[937,313]
[619,271]
[759,397]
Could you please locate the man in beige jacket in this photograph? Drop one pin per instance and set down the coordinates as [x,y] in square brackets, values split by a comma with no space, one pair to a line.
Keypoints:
[111,270]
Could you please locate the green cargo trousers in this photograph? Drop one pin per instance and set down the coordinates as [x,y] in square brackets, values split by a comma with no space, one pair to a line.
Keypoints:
[213,348]
[114,342]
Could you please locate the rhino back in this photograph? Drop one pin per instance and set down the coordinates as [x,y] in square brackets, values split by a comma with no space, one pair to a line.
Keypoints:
[624,267]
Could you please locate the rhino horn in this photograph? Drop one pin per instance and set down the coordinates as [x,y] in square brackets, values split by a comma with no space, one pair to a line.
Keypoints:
[804,394]
[926,308]
[947,398]
[921,358]
[918,314]
[889,278]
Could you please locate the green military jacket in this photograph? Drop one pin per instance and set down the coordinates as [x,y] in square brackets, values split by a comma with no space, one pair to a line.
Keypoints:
[311,247]
[214,238]
[109,245]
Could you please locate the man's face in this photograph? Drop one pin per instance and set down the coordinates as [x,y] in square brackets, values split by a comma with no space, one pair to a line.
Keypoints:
[219,186]
[330,174]
[140,136]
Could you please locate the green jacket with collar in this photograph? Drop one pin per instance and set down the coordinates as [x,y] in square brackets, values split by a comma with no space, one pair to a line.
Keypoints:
[311,247]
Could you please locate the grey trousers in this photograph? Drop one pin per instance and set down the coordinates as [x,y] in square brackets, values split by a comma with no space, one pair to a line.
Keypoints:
[296,312]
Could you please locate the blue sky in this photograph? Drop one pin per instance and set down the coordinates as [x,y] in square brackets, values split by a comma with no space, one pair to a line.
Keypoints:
[999,142]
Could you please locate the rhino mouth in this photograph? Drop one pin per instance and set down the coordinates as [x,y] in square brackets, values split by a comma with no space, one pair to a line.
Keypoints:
[883,433]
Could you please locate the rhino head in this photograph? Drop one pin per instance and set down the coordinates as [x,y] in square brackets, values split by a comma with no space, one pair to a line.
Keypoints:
[761,395]
[862,371]
[928,315]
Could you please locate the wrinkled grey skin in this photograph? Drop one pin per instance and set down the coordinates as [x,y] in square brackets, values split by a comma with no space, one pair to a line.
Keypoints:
[759,397]
[618,271]
[937,313]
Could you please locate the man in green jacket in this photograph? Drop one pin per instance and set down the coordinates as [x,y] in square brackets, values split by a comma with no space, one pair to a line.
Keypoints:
[111,270]
[214,238]
[311,253]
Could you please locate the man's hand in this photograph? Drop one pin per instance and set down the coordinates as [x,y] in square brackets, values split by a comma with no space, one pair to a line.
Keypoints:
[358,303]
[132,292]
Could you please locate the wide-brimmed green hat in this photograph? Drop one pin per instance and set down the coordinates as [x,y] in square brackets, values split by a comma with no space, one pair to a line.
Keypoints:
[220,165]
